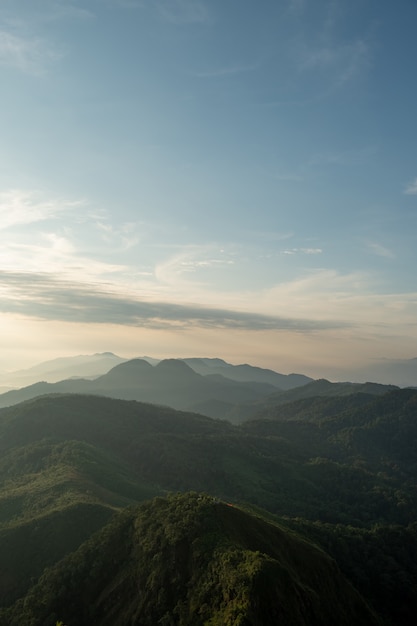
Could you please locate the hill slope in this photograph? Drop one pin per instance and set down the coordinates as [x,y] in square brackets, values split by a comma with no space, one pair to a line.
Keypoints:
[190,560]
[347,466]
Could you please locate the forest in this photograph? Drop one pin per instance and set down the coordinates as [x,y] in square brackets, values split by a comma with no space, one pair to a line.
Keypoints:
[118,512]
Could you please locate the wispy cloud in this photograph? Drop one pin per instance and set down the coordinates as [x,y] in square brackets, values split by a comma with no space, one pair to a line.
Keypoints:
[19,207]
[28,55]
[45,296]
[379,250]
[40,232]
[411,189]
[125,234]
[176,270]
[353,297]
[58,251]
[290,251]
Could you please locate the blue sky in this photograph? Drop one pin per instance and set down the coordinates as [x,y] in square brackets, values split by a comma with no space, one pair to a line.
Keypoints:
[209,178]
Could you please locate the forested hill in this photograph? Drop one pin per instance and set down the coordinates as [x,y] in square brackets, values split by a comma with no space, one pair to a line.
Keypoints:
[341,470]
[191,560]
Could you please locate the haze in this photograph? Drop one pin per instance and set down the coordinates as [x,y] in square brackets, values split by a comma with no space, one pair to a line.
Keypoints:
[226,179]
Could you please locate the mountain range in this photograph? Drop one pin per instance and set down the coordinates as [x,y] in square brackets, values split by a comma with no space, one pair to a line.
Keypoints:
[399,372]
[95,365]
[239,393]
[335,472]
[171,382]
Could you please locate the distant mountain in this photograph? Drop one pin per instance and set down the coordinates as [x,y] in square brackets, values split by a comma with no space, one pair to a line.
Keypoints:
[82,366]
[401,372]
[171,382]
[191,560]
[323,387]
[316,389]
[246,373]
[94,365]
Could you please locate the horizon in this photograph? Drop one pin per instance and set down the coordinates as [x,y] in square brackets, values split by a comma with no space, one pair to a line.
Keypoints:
[401,373]
[194,177]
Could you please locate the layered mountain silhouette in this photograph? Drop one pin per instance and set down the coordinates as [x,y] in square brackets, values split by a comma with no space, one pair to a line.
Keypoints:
[87,366]
[171,382]
[246,373]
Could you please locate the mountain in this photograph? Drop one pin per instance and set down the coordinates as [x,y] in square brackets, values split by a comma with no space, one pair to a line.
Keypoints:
[341,470]
[310,392]
[246,373]
[353,464]
[171,382]
[94,365]
[191,560]
[87,366]
[401,372]
[323,387]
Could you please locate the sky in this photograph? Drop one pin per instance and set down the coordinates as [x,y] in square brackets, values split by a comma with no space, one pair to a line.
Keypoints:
[212,178]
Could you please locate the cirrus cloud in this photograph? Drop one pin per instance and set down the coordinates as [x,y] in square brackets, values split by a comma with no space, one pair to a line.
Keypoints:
[28,55]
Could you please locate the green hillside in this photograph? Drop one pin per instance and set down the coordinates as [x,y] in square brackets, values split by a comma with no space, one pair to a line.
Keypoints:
[341,470]
[191,560]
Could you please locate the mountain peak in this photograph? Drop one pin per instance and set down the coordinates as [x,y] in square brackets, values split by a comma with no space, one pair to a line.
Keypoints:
[175,365]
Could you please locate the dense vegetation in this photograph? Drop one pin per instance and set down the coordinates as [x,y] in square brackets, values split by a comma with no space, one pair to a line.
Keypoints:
[192,560]
[340,469]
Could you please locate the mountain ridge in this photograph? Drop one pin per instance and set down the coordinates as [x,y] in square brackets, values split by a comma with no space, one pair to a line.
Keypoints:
[341,474]
[191,560]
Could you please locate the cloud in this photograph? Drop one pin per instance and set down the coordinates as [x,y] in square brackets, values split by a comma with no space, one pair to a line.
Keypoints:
[354,297]
[55,250]
[182,271]
[19,207]
[38,233]
[380,250]
[45,296]
[125,235]
[308,251]
[411,189]
[28,55]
